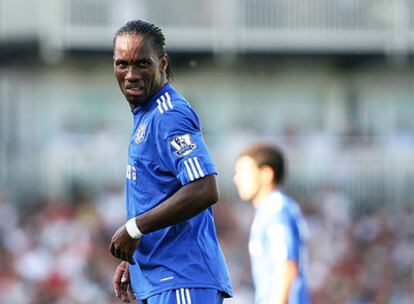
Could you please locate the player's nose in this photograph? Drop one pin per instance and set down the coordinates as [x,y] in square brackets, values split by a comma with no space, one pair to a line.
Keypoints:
[132,74]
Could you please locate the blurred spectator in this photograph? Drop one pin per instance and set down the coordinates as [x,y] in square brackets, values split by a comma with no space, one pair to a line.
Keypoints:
[53,251]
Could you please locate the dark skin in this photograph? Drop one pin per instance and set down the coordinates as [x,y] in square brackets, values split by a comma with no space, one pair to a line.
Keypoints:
[141,73]
[187,202]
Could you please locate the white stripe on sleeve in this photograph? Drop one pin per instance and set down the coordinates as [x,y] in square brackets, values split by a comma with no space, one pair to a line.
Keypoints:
[164,103]
[190,175]
[190,160]
[177,296]
[198,167]
[182,296]
[187,293]
[169,100]
[159,106]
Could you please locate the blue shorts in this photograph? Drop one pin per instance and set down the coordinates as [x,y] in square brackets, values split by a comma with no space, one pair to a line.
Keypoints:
[186,296]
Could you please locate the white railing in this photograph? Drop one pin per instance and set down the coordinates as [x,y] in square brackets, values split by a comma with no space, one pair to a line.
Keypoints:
[214,25]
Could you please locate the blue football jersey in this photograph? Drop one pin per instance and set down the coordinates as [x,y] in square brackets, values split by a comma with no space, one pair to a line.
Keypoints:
[278,235]
[166,152]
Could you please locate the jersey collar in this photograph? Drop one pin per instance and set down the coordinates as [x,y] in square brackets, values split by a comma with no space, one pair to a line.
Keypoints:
[273,202]
[150,103]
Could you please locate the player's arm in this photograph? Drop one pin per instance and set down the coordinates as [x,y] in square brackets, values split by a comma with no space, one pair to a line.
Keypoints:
[284,252]
[187,202]
[284,277]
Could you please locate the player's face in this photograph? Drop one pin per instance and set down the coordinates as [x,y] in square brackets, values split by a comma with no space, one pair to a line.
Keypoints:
[247,178]
[139,70]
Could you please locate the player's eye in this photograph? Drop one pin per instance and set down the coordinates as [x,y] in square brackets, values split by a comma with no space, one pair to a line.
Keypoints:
[121,64]
[144,63]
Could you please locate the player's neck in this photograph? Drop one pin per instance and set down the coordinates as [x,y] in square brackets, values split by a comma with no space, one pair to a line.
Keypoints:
[264,191]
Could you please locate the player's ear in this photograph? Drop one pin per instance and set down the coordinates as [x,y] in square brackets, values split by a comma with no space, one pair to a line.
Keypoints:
[164,63]
[267,174]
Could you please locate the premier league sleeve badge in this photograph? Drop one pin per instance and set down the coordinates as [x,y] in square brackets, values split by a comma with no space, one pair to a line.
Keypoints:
[183,145]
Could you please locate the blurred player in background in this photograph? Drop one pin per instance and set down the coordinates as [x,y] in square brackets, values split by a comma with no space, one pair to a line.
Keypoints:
[168,246]
[276,245]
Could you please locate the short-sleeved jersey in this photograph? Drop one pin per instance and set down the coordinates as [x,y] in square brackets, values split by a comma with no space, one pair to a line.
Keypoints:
[278,235]
[166,152]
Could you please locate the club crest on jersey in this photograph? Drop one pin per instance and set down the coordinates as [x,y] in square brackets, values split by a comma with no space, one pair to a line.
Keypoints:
[183,145]
[139,136]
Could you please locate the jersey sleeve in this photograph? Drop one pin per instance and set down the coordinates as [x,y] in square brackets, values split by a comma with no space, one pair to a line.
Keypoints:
[181,145]
[282,240]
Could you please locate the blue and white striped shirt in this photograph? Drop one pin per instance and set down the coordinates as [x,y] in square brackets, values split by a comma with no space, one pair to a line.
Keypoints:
[278,235]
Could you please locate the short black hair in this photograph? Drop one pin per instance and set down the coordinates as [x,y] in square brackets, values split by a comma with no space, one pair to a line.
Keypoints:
[147,30]
[265,154]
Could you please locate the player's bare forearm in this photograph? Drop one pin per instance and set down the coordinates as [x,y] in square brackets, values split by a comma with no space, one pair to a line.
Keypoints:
[187,202]
[283,281]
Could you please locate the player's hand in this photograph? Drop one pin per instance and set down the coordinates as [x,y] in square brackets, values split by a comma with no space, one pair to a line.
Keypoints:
[122,284]
[123,246]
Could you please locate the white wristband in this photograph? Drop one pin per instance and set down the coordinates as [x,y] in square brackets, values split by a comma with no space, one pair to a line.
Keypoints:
[132,229]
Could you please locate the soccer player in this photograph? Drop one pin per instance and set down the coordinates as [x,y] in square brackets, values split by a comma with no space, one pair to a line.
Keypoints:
[277,240]
[168,246]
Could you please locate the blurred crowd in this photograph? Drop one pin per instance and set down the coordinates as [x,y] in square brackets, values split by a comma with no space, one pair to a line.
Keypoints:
[360,256]
[56,251]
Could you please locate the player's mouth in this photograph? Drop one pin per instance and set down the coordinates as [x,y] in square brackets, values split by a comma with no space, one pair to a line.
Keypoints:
[134,90]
